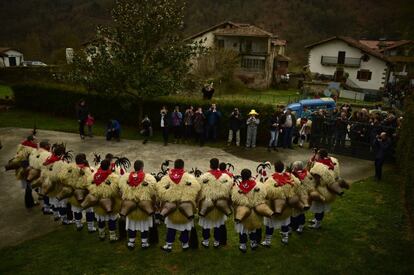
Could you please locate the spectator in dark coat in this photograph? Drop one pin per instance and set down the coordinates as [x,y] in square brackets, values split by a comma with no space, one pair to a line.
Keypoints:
[274,130]
[341,131]
[208,91]
[382,148]
[82,114]
[164,124]
[235,124]
[146,128]
[199,125]
[213,119]
[176,119]
[188,122]
[288,123]
[113,130]
[317,118]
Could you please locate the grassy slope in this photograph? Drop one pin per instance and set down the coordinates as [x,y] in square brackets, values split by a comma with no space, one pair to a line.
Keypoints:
[366,233]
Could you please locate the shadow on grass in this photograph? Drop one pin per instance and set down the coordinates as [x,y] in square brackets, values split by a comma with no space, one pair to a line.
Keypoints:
[366,233]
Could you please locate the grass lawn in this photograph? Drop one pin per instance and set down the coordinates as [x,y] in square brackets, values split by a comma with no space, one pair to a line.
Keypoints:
[5,91]
[366,233]
[243,94]
[270,96]
[27,119]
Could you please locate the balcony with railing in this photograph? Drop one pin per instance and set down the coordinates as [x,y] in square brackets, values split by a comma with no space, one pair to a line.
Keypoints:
[348,61]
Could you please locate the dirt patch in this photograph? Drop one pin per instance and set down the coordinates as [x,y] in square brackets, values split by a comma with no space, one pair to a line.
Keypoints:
[18,224]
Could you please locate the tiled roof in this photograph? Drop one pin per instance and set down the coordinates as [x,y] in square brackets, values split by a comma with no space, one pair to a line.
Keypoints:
[397,44]
[4,49]
[377,44]
[244,30]
[212,28]
[354,43]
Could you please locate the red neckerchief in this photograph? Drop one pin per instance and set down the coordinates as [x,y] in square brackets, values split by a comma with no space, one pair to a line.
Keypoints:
[52,159]
[101,175]
[301,174]
[82,165]
[228,173]
[216,173]
[247,185]
[176,175]
[282,178]
[135,178]
[327,161]
[303,121]
[29,143]
[113,167]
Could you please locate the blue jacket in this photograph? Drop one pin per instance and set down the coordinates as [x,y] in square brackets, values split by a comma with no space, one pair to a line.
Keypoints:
[213,118]
[114,125]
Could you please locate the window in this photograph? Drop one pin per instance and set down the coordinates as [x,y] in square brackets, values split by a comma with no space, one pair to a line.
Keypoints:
[220,43]
[253,63]
[364,75]
[248,46]
[341,57]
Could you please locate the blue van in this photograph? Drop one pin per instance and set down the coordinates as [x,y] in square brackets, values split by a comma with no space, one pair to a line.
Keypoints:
[325,103]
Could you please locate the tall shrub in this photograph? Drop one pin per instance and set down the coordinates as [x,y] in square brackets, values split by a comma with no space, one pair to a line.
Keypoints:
[406,152]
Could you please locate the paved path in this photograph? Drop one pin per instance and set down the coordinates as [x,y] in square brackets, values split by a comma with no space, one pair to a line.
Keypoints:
[18,224]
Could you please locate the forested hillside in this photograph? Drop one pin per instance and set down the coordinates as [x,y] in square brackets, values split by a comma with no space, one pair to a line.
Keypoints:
[43,28]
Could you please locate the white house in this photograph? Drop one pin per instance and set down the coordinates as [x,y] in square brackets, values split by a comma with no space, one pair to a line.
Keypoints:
[262,54]
[10,57]
[337,56]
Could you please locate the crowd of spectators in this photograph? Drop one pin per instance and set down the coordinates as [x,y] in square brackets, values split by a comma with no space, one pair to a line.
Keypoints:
[345,130]
[342,130]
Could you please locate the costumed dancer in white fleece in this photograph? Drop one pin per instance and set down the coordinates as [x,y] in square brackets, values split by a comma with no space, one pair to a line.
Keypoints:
[214,204]
[75,181]
[52,181]
[328,183]
[104,197]
[20,164]
[281,197]
[36,161]
[178,193]
[138,199]
[249,201]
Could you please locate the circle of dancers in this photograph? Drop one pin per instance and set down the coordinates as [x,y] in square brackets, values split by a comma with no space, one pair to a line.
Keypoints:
[117,196]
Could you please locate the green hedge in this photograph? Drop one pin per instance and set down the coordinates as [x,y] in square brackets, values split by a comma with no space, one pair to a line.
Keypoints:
[405,151]
[61,100]
[12,75]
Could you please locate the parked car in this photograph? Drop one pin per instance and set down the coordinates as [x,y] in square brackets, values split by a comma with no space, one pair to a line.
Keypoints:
[33,64]
[325,103]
